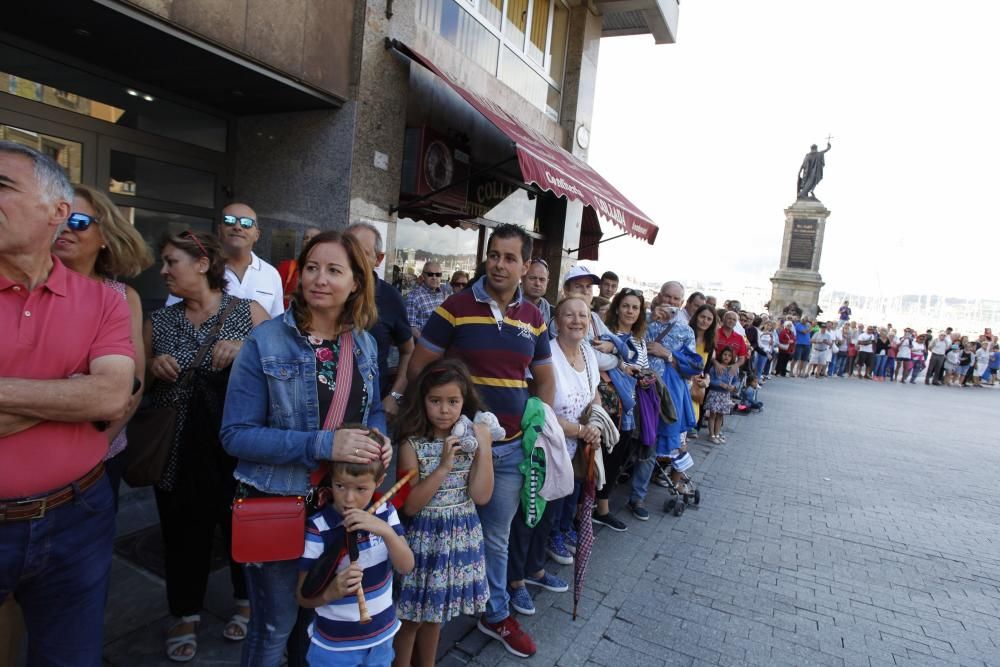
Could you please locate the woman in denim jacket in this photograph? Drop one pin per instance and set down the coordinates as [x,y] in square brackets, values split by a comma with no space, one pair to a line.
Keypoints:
[281,387]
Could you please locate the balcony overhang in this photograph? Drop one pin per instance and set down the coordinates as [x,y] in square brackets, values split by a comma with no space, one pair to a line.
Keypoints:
[640,17]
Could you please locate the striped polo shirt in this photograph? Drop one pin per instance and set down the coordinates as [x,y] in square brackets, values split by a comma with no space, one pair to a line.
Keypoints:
[497,347]
[336,626]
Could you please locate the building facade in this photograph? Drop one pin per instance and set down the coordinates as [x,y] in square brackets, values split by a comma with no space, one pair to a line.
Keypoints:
[433,119]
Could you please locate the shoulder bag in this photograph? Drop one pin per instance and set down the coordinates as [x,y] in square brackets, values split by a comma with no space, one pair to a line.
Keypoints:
[151,429]
[272,528]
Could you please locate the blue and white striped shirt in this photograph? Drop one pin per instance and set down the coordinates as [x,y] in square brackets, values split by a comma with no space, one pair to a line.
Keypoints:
[336,626]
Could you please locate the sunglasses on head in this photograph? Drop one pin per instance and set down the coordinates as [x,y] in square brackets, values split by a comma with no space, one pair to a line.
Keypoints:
[539,260]
[79,222]
[628,291]
[429,274]
[231,220]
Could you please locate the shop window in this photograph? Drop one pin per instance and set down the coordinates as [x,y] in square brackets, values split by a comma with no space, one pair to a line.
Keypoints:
[151,179]
[57,85]
[69,154]
[455,248]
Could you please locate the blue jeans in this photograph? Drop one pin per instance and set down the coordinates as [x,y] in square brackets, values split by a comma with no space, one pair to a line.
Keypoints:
[495,517]
[880,365]
[759,362]
[58,568]
[840,363]
[567,512]
[271,590]
[380,655]
[641,473]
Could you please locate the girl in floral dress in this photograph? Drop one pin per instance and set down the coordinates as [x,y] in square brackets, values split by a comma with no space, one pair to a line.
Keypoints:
[449,578]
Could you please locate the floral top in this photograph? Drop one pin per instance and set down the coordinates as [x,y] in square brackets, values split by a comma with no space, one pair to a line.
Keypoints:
[327,356]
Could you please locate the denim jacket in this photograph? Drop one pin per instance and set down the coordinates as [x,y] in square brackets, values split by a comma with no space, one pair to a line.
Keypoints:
[271,420]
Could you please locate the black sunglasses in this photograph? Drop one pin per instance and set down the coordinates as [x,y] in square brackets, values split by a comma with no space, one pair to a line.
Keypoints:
[459,284]
[628,291]
[433,275]
[231,220]
[539,260]
[79,222]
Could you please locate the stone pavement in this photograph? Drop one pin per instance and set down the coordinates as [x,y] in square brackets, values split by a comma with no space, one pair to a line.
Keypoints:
[850,523]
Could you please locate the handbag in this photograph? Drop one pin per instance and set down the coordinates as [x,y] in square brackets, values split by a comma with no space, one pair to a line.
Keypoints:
[273,528]
[152,428]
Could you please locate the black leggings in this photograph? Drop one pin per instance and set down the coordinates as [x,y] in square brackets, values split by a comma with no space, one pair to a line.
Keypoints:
[613,463]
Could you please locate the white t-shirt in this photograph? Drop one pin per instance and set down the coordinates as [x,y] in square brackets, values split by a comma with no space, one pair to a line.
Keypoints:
[261,282]
[905,347]
[865,342]
[574,389]
[940,346]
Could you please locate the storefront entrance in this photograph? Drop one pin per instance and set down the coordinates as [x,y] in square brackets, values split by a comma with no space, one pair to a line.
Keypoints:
[164,164]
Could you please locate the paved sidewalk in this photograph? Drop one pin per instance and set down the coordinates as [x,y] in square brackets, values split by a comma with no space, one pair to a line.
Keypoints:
[850,523]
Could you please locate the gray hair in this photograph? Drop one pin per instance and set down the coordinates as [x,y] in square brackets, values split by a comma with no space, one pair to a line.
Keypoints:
[379,248]
[52,179]
[672,283]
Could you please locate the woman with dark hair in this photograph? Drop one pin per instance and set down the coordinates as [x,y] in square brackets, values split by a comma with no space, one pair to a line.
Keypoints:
[627,322]
[703,322]
[99,242]
[194,494]
[283,388]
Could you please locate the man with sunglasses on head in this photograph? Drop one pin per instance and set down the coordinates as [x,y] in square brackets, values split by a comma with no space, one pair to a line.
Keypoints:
[247,275]
[66,369]
[425,297]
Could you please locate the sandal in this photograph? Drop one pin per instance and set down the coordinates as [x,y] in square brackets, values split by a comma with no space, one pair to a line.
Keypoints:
[176,645]
[236,628]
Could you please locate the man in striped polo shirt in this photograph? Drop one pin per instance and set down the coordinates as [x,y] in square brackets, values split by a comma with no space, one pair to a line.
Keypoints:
[500,336]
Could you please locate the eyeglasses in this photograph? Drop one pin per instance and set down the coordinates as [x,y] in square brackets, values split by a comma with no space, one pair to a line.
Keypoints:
[432,275]
[231,220]
[79,222]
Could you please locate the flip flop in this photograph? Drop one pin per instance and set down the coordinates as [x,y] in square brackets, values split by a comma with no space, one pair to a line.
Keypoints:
[183,641]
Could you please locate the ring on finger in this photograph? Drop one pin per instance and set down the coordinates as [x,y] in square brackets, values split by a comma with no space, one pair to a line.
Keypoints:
[357,452]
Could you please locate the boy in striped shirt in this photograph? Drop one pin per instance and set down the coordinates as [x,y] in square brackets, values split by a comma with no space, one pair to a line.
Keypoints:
[337,636]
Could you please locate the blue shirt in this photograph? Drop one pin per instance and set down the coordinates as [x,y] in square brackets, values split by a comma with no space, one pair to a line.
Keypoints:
[337,625]
[803,335]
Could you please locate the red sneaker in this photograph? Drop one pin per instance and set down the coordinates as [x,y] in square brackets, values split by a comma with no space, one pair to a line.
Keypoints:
[510,634]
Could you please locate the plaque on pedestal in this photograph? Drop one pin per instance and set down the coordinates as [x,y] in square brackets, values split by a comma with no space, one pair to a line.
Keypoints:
[798,278]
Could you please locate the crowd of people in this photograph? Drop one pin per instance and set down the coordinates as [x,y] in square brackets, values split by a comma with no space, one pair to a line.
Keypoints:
[503,416]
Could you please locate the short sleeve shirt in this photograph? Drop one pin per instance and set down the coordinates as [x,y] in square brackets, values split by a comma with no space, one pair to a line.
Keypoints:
[52,454]
[734,340]
[392,327]
[498,348]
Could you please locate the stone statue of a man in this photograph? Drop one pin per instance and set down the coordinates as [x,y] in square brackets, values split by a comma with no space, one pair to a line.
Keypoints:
[811,172]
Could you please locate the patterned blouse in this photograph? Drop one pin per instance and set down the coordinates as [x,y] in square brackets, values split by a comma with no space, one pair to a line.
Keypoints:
[174,334]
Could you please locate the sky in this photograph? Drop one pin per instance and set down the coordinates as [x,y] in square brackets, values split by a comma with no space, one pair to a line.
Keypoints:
[706,136]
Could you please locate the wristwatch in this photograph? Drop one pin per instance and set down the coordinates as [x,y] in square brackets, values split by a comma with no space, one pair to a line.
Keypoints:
[396,395]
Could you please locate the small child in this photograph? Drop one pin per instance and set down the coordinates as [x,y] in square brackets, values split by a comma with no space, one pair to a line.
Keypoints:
[722,379]
[337,636]
[749,394]
[449,579]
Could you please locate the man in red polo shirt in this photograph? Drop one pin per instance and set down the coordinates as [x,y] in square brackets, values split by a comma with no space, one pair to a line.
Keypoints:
[728,336]
[66,367]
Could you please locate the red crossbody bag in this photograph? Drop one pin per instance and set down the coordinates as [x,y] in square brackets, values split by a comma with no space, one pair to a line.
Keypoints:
[273,528]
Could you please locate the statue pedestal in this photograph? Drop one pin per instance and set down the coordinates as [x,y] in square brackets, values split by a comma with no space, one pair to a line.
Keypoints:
[797,278]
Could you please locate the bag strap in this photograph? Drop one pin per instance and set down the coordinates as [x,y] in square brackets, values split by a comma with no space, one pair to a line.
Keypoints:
[341,395]
[664,333]
[213,335]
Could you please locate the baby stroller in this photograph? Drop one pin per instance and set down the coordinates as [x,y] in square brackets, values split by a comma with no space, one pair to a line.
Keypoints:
[683,491]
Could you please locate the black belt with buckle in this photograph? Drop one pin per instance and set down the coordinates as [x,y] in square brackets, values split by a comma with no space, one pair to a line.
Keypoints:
[35,508]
